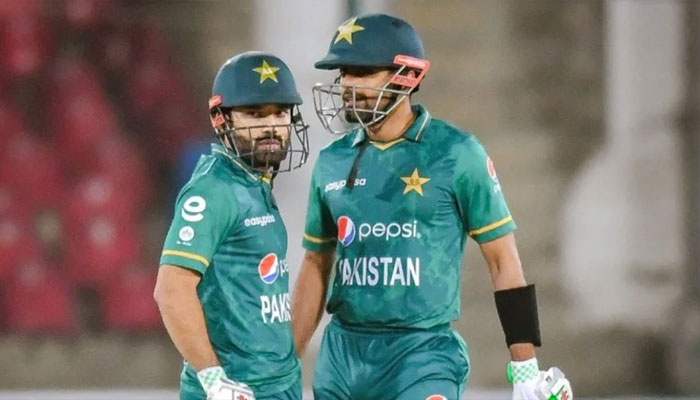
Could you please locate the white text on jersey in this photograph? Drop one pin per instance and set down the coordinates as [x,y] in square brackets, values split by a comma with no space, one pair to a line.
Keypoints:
[259,221]
[275,308]
[390,231]
[385,271]
[337,185]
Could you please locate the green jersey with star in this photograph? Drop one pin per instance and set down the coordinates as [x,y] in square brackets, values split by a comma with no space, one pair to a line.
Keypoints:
[228,228]
[399,234]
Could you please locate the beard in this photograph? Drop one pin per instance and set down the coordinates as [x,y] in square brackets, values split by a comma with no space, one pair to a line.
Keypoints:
[363,108]
[364,116]
[263,153]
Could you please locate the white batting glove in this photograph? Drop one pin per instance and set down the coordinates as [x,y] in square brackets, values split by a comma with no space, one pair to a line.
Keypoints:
[529,383]
[553,385]
[219,387]
[524,375]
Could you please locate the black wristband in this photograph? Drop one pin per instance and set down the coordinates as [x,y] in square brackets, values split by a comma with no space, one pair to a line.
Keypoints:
[517,310]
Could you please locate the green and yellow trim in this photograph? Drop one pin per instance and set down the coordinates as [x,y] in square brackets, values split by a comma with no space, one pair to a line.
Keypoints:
[491,227]
[385,145]
[314,239]
[186,254]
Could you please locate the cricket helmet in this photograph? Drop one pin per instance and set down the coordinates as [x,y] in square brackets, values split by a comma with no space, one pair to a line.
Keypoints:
[256,78]
[377,41]
[372,40]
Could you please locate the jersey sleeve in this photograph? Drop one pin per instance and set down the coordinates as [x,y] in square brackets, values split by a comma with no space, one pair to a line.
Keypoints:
[482,205]
[204,212]
[320,233]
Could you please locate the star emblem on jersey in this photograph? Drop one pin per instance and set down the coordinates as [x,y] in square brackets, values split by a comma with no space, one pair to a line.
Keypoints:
[414,182]
[346,30]
[266,72]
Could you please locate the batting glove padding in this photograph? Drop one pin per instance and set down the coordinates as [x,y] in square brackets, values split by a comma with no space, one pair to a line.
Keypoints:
[529,383]
[219,387]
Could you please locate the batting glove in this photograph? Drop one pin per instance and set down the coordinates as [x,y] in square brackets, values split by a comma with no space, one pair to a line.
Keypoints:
[529,383]
[219,387]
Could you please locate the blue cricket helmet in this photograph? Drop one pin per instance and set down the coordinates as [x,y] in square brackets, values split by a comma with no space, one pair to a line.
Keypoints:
[255,77]
[372,40]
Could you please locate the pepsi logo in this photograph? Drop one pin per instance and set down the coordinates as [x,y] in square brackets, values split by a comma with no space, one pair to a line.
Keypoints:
[346,231]
[436,397]
[269,268]
[491,169]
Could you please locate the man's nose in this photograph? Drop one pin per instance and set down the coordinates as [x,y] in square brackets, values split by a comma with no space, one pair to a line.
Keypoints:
[270,121]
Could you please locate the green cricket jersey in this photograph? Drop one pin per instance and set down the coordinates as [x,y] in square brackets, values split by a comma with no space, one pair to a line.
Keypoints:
[228,228]
[399,234]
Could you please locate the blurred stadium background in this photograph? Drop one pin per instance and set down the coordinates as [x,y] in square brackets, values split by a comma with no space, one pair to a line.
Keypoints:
[590,110]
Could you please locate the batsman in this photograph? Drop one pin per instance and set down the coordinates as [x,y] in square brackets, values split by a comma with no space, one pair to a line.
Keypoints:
[223,283]
[391,204]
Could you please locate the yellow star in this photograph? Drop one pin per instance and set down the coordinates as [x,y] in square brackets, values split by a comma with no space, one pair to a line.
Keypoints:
[414,182]
[345,31]
[266,72]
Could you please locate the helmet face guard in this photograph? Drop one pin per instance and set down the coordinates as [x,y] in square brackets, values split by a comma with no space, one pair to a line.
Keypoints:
[293,154]
[331,110]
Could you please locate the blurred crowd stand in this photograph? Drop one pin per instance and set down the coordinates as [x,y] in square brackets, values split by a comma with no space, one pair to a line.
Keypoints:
[103,113]
[92,111]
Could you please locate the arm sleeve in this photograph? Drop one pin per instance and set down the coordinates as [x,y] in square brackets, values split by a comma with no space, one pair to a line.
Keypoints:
[482,205]
[320,233]
[204,212]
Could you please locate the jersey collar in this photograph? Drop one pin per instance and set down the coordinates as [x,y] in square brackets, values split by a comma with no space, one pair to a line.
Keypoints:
[414,132]
[221,151]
